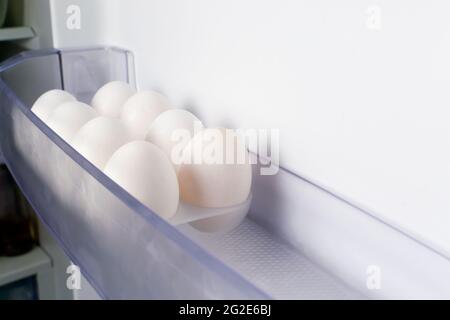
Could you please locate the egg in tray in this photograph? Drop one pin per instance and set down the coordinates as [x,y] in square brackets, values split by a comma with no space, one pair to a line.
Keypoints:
[163,156]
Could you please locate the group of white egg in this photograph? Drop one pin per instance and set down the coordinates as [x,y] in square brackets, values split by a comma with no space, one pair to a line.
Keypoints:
[129,135]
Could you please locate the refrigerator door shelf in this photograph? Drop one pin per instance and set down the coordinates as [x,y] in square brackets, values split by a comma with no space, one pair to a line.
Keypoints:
[299,241]
[122,247]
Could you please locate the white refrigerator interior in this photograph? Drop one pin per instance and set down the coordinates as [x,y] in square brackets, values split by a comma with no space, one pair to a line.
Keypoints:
[358,90]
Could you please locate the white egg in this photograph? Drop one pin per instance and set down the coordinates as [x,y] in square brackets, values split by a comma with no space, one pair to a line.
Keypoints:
[172,130]
[69,117]
[145,172]
[99,138]
[141,109]
[216,170]
[109,99]
[47,102]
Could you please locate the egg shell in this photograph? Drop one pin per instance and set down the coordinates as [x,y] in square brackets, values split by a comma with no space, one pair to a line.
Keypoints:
[208,184]
[109,99]
[47,102]
[99,138]
[145,172]
[67,118]
[141,109]
[164,129]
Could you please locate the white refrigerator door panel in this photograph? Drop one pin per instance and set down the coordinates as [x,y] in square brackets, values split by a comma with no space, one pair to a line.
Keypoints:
[357,88]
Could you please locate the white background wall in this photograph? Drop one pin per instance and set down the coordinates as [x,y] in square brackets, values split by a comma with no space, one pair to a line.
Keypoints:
[362,112]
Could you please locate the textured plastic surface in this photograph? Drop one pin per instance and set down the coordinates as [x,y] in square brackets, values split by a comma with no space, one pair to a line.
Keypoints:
[103,229]
[275,267]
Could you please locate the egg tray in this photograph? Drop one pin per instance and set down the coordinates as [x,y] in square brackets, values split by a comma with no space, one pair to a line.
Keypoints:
[102,228]
[188,213]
